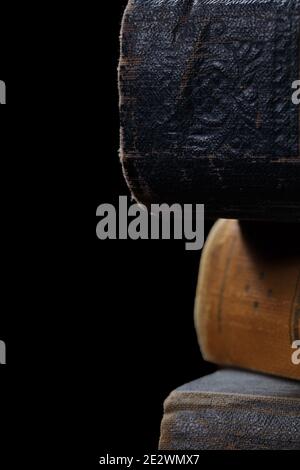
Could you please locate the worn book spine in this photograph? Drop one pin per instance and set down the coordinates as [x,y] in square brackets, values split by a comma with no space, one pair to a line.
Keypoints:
[206,105]
[247,308]
[232,410]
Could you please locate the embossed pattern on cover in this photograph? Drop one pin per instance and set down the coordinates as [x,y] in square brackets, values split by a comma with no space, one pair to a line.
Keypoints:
[206,105]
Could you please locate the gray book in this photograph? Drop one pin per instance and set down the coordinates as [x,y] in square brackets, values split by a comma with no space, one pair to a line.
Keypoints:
[234,410]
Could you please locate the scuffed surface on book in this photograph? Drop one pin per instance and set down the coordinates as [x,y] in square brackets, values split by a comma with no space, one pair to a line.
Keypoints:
[206,105]
[234,410]
[247,307]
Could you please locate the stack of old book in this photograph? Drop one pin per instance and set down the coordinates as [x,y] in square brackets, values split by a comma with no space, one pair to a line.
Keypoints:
[209,115]
[247,316]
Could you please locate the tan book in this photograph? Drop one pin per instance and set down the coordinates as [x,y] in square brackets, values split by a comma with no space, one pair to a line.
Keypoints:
[247,309]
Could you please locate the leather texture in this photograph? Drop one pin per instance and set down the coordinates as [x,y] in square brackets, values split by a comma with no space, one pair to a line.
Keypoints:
[206,109]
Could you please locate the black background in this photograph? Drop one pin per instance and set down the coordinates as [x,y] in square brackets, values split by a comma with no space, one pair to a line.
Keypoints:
[4,132]
[144,339]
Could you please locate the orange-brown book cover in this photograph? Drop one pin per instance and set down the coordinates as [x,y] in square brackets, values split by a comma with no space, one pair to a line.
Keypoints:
[247,309]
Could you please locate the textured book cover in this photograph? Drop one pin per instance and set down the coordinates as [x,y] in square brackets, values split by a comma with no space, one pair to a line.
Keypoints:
[247,308]
[206,105]
[233,410]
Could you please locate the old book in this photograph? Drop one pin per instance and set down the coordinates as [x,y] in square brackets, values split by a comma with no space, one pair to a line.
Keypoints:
[208,110]
[233,410]
[247,309]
